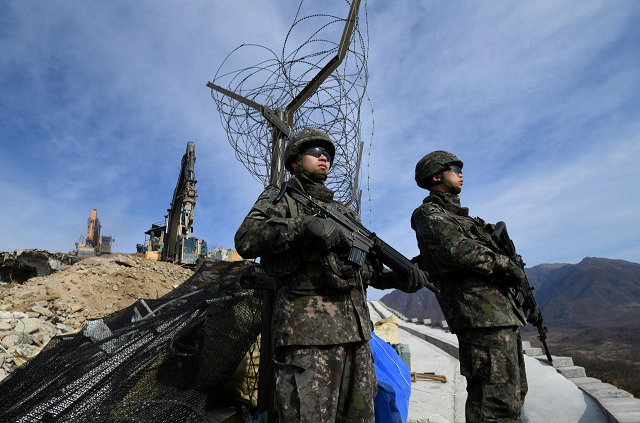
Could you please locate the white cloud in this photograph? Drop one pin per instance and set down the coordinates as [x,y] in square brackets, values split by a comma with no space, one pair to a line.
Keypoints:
[99,101]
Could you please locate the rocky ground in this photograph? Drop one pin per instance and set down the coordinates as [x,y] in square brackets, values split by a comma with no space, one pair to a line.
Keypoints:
[33,312]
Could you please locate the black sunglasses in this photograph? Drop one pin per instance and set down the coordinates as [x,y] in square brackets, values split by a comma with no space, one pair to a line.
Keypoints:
[456,169]
[317,152]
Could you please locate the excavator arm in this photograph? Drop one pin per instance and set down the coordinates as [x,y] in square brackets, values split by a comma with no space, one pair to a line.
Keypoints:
[180,214]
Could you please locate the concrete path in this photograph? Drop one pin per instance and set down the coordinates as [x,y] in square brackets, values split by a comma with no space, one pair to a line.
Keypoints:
[431,401]
[551,398]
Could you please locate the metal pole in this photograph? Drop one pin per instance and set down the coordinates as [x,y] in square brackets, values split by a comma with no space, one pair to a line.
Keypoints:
[266,374]
[276,175]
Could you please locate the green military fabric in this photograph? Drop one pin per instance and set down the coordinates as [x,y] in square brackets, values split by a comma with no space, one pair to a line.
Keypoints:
[321,301]
[320,305]
[336,382]
[458,253]
[472,275]
[492,361]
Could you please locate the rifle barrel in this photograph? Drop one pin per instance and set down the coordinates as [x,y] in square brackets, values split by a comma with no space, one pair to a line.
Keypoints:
[542,336]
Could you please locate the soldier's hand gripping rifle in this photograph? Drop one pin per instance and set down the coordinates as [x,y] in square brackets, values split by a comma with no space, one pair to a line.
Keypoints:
[361,240]
[523,294]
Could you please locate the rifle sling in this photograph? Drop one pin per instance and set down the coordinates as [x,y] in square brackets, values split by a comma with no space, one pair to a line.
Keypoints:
[293,210]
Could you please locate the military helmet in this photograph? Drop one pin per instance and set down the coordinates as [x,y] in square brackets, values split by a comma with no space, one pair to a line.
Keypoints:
[433,163]
[305,139]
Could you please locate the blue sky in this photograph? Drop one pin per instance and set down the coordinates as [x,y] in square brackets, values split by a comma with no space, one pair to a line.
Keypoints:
[539,99]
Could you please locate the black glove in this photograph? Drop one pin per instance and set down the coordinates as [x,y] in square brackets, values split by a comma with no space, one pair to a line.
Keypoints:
[534,316]
[323,234]
[416,279]
[515,276]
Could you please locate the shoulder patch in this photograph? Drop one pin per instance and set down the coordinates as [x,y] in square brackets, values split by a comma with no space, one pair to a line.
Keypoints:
[270,192]
[430,208]
[264,195]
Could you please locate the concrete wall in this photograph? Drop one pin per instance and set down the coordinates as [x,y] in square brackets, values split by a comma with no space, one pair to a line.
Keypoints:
[620,405]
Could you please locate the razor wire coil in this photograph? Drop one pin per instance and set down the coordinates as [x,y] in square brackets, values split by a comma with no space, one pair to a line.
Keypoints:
[335,107]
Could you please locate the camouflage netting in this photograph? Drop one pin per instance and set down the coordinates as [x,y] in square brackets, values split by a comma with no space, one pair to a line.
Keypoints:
[163,360]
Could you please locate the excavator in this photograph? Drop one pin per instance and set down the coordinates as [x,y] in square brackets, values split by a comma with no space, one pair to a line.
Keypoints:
[172,241]
[93,244]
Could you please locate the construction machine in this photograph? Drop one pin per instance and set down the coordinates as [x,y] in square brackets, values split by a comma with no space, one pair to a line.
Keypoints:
[172,241]
[93,244]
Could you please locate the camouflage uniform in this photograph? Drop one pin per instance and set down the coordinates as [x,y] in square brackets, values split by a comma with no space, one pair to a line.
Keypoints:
[321,324]
[464,262]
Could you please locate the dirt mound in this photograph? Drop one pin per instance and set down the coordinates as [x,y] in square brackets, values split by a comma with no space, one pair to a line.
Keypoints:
[42,307]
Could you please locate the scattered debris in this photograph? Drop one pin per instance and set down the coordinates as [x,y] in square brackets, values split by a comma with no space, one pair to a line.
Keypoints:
[41,307]
[22,265]
[166,359]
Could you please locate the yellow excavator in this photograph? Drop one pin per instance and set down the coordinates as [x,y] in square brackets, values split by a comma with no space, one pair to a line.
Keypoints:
[172,241]
[94,243]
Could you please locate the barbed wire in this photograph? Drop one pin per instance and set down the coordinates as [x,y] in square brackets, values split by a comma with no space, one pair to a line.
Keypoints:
[335,107]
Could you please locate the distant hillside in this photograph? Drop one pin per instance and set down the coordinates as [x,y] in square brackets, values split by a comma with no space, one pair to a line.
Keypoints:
[598,335]
[422,304]
[537,275]
[595,292]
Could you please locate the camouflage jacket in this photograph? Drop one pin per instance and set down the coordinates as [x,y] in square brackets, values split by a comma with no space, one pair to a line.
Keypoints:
[460,256]
[321,299]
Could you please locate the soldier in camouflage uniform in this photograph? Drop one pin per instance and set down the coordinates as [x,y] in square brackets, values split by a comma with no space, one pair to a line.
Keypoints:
[474,278]
[321,324]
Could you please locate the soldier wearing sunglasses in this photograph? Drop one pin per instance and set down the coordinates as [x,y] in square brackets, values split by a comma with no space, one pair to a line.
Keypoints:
[321,324]
[474,278]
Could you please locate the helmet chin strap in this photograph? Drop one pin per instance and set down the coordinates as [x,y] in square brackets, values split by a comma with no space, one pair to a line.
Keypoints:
[315,175]
[454,189]
[318,174]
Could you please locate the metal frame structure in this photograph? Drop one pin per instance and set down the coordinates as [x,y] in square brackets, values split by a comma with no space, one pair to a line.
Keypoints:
[281,122]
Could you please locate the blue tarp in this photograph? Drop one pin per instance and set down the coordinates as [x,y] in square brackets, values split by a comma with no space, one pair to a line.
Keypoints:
[394,383]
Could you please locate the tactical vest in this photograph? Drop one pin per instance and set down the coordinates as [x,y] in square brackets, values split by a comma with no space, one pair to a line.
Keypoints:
[322,270]
[473,228]
[468,299]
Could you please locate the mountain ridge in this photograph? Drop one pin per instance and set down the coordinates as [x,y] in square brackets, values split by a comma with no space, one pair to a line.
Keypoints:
[596,292]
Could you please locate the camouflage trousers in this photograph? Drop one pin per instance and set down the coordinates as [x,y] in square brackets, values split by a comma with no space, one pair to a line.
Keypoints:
[325,383]
[492,360]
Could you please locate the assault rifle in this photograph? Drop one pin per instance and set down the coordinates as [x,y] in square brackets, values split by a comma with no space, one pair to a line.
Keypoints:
[523,294]
[362,240]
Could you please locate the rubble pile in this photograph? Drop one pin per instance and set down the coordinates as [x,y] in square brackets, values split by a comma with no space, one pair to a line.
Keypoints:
[21,265]
[33,312]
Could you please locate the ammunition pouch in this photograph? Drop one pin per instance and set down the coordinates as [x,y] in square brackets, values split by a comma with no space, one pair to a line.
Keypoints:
[327,273]
[336,274]
[318,270]
[282,264]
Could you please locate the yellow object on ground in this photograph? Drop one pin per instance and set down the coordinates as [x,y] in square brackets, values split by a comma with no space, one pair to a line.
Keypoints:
[387,329]
[244,382]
